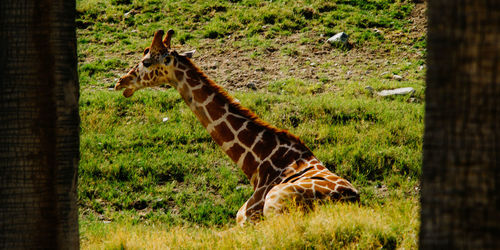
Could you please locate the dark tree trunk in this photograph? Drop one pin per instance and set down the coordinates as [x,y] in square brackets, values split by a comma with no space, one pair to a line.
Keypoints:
[461,172]
[39,124]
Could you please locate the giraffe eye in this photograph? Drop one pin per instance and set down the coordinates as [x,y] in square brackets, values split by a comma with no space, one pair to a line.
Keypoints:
[167,60]
[146,51]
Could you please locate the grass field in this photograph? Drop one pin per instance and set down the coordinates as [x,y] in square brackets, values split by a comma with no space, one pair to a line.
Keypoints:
[145,183]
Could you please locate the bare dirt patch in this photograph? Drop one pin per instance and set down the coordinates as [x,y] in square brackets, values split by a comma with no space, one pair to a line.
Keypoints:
[236,69]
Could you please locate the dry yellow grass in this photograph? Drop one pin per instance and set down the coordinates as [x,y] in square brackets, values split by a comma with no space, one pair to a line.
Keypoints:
[331,226]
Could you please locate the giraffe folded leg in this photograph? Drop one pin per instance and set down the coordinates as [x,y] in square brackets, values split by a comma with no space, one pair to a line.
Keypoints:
[241,216]
[304,192]
[252,210]
[249,213]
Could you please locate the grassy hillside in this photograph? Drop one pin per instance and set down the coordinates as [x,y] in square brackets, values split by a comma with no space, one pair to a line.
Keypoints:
[145,183]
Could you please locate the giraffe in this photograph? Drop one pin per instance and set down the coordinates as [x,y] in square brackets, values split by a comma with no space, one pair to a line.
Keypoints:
[280,167]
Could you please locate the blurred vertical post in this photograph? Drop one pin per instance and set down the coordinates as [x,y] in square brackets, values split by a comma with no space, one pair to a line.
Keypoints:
[461,164]
[39,125]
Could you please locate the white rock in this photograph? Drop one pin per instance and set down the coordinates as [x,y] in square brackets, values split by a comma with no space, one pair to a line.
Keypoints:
[397,77]
[338,38]
[128,14]
[400,91]
[165,119]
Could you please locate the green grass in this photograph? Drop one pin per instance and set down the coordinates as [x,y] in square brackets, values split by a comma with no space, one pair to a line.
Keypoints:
[123,28]
[145,183]
[332,226]
[172,172]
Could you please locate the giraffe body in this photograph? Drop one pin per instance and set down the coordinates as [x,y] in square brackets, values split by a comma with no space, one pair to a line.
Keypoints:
[278,164]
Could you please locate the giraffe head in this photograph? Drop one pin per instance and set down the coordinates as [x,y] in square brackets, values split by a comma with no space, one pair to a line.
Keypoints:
[155,68]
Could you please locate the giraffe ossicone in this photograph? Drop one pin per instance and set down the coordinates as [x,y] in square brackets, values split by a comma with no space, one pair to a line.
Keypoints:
[280,167]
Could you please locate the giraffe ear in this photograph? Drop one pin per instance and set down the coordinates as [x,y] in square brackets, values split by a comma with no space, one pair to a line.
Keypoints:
[168,37]
[188,54]
[157,43]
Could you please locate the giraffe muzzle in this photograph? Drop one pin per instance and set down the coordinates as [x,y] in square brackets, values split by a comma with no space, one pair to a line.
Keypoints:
[123,82]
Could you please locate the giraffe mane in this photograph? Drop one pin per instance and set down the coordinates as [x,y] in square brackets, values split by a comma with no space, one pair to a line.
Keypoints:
[236,105]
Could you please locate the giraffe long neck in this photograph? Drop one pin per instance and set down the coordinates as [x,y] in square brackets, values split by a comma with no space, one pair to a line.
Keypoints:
[247,140]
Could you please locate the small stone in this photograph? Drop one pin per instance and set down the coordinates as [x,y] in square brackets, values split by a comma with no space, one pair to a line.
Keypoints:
[251,85]
[399,91]
[339,38]
[212,66]
[312,64]
[130,13]
[165,119]
[264,27]
[397,77]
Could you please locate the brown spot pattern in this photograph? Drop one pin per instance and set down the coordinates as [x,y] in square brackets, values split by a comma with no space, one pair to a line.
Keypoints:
[249,164]
[192,74]
[343,183]
[291,155]
[265,146]
[344,191]
[278,158]
[266,170]
[179,75]
[200,95]
[247,137]
[193,82]
[224,133]
[215,108]
[332,177]
[322,189]
[200,112]
[235,152]
[235,122]
[335,196]
[216,137]
[181,66]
